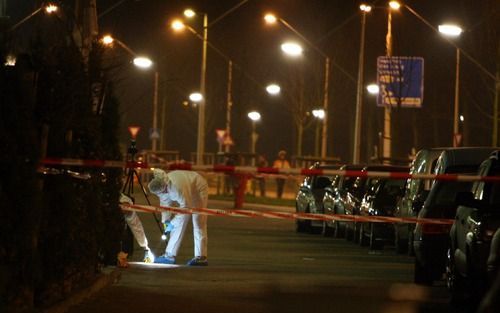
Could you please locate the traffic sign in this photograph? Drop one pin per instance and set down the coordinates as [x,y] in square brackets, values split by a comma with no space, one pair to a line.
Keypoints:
[221,133]
[154,133]
[401,81]
[133,130]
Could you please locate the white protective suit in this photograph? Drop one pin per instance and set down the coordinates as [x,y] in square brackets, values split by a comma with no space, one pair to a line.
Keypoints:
[185,189]
[134,223]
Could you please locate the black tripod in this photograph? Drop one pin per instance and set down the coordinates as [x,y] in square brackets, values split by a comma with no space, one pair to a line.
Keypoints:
[128,190]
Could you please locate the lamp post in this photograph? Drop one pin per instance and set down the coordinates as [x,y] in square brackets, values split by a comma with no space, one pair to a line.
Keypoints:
[386,135]
[320,115]
[200,146]
[141,62]
[255,117]
[271,19]
[49,8]
[454,31]
[359,94]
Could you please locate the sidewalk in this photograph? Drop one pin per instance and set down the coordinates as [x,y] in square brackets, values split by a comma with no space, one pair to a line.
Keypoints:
[113,274]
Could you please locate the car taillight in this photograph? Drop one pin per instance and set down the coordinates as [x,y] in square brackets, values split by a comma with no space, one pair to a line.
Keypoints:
[433,229]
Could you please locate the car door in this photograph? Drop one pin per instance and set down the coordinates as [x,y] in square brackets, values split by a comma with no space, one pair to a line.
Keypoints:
[464,219]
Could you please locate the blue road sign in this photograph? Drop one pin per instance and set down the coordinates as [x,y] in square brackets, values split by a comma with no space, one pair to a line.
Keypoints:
[401,81]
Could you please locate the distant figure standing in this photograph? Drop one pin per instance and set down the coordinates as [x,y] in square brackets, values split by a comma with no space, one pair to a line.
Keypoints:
[281,163]
[262,162]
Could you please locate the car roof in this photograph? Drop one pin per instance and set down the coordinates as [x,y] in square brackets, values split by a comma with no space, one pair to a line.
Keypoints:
[352,167]
[386,168]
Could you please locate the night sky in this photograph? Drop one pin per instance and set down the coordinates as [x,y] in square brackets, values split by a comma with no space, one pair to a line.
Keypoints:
[334,26]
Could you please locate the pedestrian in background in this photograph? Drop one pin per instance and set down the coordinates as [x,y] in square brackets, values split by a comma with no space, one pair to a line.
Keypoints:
[281,163]
[183,189]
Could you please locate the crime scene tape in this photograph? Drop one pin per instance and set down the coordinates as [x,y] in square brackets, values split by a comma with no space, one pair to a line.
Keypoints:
[267,170]
[284,215]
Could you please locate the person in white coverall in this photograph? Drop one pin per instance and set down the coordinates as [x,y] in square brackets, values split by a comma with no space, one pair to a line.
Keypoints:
[183,189]
[135,225]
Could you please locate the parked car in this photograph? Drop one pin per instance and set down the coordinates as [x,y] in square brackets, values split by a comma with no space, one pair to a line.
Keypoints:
[415,193]
[337,197]
[359,189]
[381,200]
[430,241]
[476,221]
[309,198]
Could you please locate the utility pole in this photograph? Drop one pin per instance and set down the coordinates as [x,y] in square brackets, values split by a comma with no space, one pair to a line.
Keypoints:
[86,13]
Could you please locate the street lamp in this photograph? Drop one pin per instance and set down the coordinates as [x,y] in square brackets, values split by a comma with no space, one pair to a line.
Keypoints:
[386,135]
[373,89]
[292,49]
[450,30]
[320,115]
[179,25]
[255,117]
[141,62]
[273,89]
[273,19]
[49,8]
[359,94]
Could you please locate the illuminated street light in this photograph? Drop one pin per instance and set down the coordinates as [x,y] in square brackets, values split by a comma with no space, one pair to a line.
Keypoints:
[107,40]
[178,25]
[454,31]
[394,5]
[189,13]
[196,97]
[292,48]
[270,18]
[143,62]
[373,89]
[273,89]
[450,30]
[365,8]
[51,8]
[462,118]
[319,113]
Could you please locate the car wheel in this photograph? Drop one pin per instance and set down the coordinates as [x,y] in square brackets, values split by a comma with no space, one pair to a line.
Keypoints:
[422,274]
[363,240]
[401,245]
[374,243]
[454,281]
[327,230]
[303,226]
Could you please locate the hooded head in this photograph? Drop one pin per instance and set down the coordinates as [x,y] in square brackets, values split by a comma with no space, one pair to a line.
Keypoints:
[159,183]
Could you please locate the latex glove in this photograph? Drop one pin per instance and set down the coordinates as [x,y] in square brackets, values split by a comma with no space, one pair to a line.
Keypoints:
[167,226]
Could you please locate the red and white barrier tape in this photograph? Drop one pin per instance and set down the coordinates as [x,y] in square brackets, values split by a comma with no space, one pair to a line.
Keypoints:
[284,215]
[269,170]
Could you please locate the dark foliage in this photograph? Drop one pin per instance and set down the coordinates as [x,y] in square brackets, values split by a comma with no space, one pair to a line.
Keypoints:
[58,229]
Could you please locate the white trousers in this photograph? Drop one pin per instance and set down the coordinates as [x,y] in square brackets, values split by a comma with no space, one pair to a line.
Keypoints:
[179,223]
[135,225]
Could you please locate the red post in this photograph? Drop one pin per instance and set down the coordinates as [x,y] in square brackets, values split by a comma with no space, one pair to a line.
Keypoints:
[240,186]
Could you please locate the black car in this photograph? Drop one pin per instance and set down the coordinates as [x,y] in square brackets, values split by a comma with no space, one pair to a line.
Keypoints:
[476,221]
[380,200]
[430,240]
[361,185]
[416,192]
[309,198]
[337,196]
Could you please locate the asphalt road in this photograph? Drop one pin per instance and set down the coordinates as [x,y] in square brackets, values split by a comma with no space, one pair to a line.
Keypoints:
[263,265]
